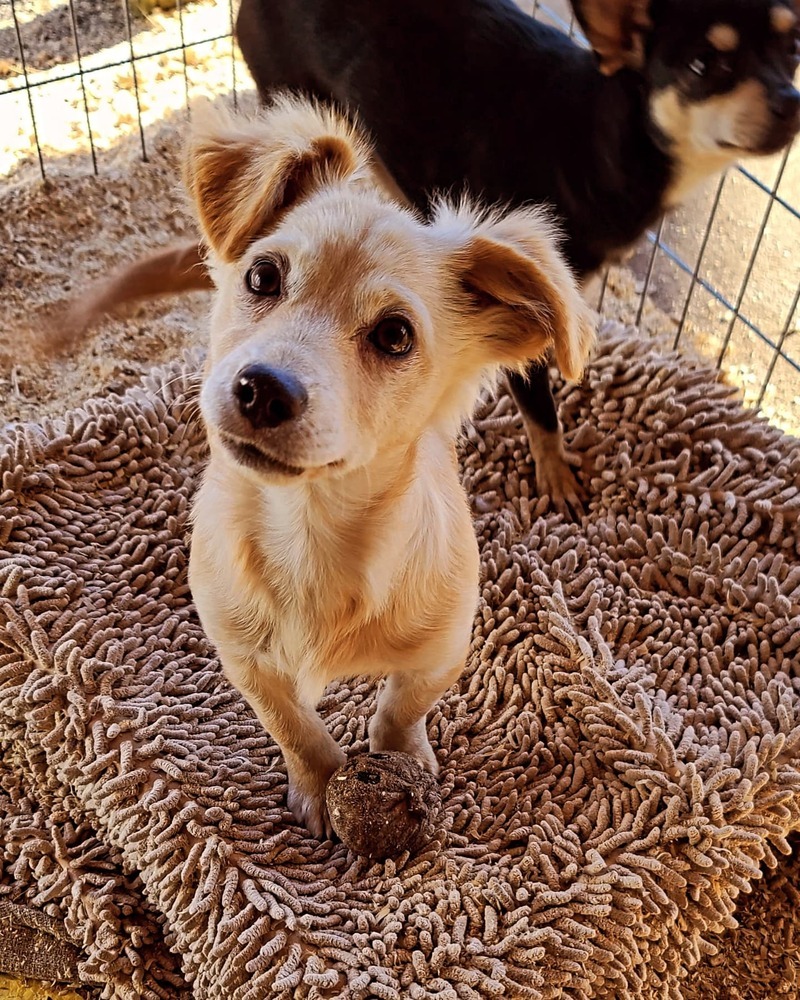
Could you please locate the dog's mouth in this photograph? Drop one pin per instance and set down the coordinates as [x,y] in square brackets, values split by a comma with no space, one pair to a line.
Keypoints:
[253,457]
[762,149]
[778,137]
[741,150]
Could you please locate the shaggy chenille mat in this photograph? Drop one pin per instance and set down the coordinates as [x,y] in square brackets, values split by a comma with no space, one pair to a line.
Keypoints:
[620,756]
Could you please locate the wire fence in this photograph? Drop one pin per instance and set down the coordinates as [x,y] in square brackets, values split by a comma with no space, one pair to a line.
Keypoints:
[720,275]
[86,43]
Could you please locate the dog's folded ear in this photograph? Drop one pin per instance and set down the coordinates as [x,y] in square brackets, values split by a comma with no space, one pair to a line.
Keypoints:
[616,30]
[244,174]
[527,298]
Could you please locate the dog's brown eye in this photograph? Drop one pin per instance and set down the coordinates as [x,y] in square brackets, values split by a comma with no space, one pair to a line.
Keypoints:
[393,336]
[264,278]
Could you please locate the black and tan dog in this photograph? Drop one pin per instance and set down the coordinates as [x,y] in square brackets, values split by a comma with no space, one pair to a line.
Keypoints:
[476,94]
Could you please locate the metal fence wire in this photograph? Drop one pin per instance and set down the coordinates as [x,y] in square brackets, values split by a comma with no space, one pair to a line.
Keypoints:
[719,276]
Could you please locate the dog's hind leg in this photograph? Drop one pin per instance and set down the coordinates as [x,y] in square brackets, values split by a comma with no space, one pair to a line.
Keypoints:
[534,397]
[168,271]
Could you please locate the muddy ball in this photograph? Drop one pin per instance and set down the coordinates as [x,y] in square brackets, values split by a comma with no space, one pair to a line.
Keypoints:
[382,804]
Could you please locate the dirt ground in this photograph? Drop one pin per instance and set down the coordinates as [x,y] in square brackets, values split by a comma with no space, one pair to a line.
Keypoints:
[57,234]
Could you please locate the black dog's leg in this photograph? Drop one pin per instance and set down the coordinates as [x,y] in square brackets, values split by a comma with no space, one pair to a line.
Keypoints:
[534,397]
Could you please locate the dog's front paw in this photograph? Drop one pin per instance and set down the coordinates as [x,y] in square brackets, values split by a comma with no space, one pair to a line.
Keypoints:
[306,798]
[308,807]
[413,741]
[555,478]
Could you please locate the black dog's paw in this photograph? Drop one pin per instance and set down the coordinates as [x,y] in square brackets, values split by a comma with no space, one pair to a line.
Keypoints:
[555,478]
[554,475]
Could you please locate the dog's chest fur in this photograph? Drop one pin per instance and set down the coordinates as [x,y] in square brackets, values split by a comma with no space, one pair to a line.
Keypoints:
[319,591]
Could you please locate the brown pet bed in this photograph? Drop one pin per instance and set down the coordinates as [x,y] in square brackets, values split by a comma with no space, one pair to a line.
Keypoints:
[620,756]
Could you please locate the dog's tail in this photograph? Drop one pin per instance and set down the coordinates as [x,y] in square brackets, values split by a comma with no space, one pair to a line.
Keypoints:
[174,269]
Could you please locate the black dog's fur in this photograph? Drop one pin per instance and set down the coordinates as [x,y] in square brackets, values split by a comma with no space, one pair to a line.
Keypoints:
[475,94]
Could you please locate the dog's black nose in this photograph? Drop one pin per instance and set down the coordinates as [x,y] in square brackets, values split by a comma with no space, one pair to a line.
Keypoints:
[785,104]
[269,397]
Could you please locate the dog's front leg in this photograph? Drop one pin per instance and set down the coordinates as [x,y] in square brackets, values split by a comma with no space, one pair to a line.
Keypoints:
[534,397]
[310,752]
[403,706]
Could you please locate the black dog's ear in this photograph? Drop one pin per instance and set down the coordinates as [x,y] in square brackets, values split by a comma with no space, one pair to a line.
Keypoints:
[616,30]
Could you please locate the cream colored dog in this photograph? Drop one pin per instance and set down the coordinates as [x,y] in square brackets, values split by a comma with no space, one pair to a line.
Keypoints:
[349,339]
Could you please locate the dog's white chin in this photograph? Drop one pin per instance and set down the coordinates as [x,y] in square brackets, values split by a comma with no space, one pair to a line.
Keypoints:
[267,467]
[255,459]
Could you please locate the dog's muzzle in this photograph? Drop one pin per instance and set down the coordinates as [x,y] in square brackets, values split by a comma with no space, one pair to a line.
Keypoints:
[784,106]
